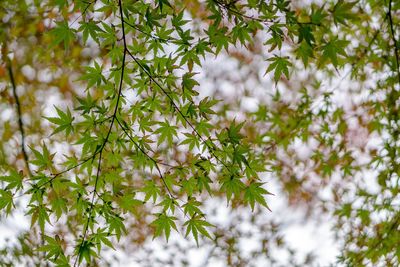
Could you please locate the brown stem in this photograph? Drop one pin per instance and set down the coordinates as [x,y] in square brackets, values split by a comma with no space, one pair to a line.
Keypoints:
[19,115]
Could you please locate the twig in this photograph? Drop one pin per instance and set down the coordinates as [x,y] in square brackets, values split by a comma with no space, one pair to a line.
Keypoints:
[148,156]
[266,22]
[393,95]
[83,12]
[19,114]
[55,175]
[156,163]
[228,8]
[149,34]
[175,106]
[396,50]
[355,64]
[395,223]
[108,133]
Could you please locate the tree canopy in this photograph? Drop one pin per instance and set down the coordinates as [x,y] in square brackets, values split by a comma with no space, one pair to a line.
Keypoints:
[121,120]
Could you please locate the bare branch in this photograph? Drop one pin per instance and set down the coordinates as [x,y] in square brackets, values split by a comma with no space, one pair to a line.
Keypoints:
[19,114]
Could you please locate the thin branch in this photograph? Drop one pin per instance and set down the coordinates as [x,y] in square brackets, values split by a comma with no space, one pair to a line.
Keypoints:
[228,8]
[149,157]
[363,54]
[55,175]
[393,95]
[393,34]
[393,227]
[175,106]
[156,163]
[169,40]
[108,133]
[19,114]
[266,22]
[83,12]
[149,34]
[396,219]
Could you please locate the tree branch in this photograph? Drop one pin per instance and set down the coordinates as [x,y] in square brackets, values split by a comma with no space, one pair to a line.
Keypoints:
[393,34]
[108,133]
[175,106]
[149,157]
[19,114]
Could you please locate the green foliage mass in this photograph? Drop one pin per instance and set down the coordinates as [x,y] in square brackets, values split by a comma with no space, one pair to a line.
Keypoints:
[134,145]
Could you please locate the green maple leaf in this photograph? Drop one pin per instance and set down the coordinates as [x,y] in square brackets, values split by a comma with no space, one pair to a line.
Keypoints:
[306,33]
[203,181]
[6,200]
[234,132]
[168,204]
[90,29]
[197,225]
[192,207]
[304,51]
[151,190]
[333,49]
[127,202]
[64,121]
[280,65]
[166,131]
[40,214]
[191,140]
[52,248]
[14,180]
[116,225]
[241,33]
[59,206]
[163,224]
[42,159]
[102,237]
[254,193]
[62,33]
[161,3]
[187,81]
[93,75]
[317,16]
[342,12]
[85,251]
[231,185]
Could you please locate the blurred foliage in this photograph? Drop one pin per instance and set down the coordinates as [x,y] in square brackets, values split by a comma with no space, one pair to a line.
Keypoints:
[135,145]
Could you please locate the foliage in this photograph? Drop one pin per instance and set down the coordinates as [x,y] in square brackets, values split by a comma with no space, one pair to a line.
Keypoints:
[134,146]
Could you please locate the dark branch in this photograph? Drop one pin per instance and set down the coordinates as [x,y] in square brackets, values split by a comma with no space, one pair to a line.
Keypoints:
[393,34]
[175,106]
[393,96]
[149,157]
[108,133]
[149,34]
[19,114]
[228,8]
[83,12]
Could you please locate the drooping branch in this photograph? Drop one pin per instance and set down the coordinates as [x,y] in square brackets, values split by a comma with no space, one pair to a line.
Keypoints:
[156,163]
[19,117]
[177,109]
[150,34]
[395,45]
[101,149]
[395,220]
[88,4]
[393,117]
